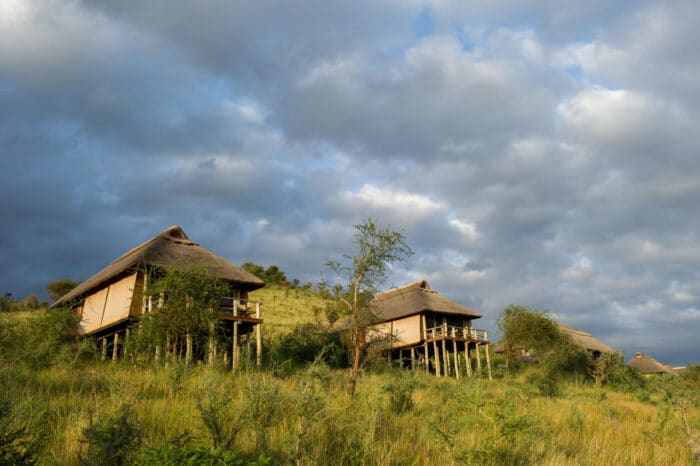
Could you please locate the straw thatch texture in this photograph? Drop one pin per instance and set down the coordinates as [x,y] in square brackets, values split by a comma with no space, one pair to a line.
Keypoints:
[586,340]
[580,337]
[172,248]
[415,298]
[645,364]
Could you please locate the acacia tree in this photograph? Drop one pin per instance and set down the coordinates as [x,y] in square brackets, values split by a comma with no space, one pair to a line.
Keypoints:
[358,278]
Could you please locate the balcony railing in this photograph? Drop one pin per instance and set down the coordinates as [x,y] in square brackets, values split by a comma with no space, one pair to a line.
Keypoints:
[240,307]
[449,331]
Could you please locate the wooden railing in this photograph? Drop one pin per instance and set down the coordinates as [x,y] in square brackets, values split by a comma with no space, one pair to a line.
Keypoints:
[240,307]
[443,331]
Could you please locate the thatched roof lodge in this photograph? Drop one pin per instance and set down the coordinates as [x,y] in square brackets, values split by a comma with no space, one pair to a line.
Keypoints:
[648,366]
[113,298]
[431,329]
[586,341]
[579,337]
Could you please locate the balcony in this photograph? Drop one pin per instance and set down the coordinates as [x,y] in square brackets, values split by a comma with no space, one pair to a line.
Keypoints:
[244,310]
[457,333]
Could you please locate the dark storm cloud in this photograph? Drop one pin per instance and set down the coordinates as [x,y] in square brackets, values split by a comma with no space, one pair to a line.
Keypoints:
[530,152]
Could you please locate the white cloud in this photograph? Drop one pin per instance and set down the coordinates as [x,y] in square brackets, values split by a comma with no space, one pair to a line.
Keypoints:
[466,229]
[386,198]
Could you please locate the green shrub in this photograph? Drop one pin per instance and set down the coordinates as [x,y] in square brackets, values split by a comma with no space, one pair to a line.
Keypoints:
[400,390]
[17,444]
[112,439]
[305,343]
[173,455]
[545,381]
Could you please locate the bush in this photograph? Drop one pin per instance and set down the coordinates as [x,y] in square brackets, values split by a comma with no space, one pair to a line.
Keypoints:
[112,440]
[173,455]
[400,390]
[17,445]
[545,381]
[627,379]
[307,342]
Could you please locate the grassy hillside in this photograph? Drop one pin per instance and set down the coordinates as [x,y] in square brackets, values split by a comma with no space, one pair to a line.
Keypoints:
[285,307]
[59,404]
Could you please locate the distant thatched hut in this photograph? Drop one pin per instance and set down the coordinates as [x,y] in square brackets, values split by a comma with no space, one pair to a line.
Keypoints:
[586,341]
[648,366]
[579,337]
[115,297]
[429,329]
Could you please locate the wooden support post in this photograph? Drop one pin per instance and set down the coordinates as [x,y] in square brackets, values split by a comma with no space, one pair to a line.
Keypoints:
[115,347]
[235,349]
[455,353]
[488,361]
[258,336]
[478,359]
[438,369]
[103,342]
[413,359]
[144,297]
[188,349]
[467,359]
[157,355]
[125,345]
[445,359]
[427,361]
[211,350]
[167,356]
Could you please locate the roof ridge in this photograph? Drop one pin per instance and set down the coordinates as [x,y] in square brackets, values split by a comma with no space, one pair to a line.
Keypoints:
[422,285]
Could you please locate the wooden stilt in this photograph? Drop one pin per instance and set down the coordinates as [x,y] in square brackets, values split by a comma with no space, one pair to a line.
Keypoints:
[115,347]
[427,360]
[258,337]
[478,359]
[188,349]
[235,348]
[167,356]
[438,369]
[211,350]
[157,355]
[467,359]
[488,360]
[455,353]
[103,341]
[445,359]
[413,359]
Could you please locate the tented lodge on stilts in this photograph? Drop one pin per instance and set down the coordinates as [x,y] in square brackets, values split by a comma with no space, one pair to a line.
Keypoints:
[115,299]
[429,332]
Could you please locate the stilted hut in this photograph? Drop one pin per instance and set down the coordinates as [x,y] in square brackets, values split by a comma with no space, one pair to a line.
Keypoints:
[115,298]
[430,332]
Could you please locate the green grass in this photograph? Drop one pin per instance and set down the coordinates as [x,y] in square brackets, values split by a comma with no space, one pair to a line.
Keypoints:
[285,307]
[308,418]
[305,416]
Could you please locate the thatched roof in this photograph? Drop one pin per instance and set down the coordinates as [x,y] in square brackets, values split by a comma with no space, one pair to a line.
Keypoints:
[586,340]
[415,298]
[173,248]
[648,365]
[580,337]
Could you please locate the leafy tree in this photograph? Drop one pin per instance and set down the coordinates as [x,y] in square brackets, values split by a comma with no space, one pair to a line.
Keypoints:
[271,275]
[190,299]
[358,278]
[58,288]
[6,302]
[536,332]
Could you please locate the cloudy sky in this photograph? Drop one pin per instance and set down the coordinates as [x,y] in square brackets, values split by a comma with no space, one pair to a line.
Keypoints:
[542,153]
